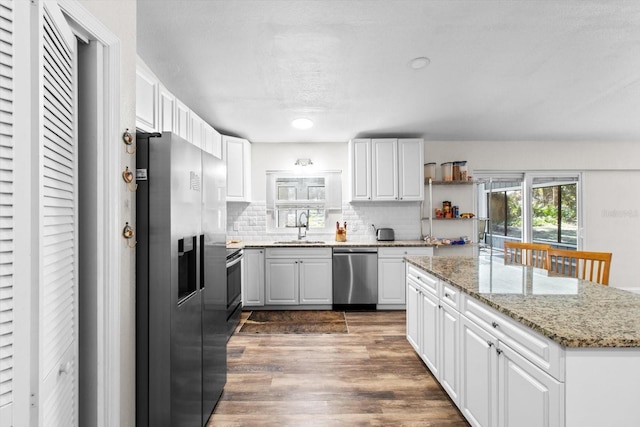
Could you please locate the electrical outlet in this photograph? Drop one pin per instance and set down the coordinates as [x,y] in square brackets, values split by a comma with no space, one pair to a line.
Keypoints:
[236,226]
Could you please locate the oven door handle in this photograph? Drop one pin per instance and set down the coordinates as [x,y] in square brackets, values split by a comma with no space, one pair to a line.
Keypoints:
[234,261]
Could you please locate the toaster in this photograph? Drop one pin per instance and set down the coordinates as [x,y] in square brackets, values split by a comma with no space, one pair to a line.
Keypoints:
[384,234]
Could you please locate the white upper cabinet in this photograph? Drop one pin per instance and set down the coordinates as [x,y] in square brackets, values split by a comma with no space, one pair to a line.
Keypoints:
[411,169]
[212,141]
[167,110]
[182,121]
[237,155]
[360,165]
[147,87]
[158,110]
[196,125]
[387,169]
[384,178]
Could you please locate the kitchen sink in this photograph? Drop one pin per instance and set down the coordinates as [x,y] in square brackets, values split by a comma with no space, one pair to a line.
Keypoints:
[300,242]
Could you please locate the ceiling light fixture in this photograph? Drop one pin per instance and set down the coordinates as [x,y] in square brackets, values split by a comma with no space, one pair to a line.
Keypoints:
[419,62]
[303,162]
[302,123]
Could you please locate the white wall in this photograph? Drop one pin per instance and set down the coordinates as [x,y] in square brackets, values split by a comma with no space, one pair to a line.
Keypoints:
[611,177]
[119,16]
[522,155]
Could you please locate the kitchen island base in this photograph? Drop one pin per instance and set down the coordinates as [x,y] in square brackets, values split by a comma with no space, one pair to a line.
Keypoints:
[503,369]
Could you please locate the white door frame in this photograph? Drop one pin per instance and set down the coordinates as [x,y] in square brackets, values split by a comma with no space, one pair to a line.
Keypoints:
[108,195]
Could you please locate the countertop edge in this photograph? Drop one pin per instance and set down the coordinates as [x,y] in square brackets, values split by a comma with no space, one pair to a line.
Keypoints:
[329,244]
[559,339]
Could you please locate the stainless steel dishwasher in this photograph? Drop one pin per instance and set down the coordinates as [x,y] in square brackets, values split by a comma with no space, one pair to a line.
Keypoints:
[355,278]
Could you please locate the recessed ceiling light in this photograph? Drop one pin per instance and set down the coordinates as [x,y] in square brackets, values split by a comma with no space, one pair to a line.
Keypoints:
[302,123]
[419,62]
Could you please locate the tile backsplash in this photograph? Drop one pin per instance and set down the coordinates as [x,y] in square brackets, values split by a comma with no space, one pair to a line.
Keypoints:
[247,221]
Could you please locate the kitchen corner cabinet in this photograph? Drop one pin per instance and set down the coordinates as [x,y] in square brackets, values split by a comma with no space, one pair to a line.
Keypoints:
[237,154]
[212,141]
[298,276]
[253,278]
[386,169]
[392,273]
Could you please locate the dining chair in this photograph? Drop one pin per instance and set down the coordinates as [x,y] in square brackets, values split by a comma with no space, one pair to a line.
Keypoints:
[531,254]
[592,266]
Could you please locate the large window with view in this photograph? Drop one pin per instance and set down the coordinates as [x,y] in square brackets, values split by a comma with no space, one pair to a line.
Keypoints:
[539,208]
[554,206]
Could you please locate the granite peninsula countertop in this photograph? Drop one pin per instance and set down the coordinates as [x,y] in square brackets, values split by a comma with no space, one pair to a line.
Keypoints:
[571,312]
[313,243]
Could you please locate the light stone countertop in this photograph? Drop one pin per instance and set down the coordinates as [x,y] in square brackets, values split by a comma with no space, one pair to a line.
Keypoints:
[571,312]
[326,243]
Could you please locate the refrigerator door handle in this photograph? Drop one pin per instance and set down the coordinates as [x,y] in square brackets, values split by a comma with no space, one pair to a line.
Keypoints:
[201,261]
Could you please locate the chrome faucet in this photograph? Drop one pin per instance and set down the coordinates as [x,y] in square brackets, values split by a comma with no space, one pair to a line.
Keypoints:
[300,225]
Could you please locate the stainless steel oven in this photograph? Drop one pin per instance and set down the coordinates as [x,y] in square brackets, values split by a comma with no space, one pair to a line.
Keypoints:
[234,288]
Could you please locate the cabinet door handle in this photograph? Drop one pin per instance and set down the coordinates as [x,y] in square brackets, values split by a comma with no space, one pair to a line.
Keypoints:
[447,295]
[489,343]
[494,324]
[498,351]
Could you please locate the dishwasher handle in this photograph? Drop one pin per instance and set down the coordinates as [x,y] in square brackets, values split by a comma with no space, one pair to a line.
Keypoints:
[349,251]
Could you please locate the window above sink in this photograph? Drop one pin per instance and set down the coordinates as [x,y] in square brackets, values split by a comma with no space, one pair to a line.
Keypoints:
[295,199]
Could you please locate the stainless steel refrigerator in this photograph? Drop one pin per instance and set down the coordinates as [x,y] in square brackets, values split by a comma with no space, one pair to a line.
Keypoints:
[180,281]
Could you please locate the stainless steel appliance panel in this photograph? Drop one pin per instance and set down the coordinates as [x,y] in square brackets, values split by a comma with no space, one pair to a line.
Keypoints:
[355,277]
[234,289]
[169,339]
[213,282]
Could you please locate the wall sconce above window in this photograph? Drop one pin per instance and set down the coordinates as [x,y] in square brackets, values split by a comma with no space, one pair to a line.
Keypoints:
[303,162]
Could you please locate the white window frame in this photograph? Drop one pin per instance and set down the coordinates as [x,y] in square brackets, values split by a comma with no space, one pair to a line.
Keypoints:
[527,178]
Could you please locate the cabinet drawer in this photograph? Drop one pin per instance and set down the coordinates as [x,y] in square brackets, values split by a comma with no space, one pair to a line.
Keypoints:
[296,253]
[399,252]
[541,351]
[427,281]
[450,294]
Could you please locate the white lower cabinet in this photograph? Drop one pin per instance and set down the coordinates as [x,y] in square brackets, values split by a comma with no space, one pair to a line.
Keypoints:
[527,396]
[316,281]
[491,382]
[429,331]
[499,387]
[298,276]
[449,343]
[282,281]
[433,330]
[478,374]
[253,278]
[392,273]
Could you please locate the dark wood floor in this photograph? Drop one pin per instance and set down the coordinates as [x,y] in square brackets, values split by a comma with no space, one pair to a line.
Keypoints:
[368,377]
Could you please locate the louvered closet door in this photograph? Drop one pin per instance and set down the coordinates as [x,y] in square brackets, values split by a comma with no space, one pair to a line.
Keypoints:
[58,314]
[7,325]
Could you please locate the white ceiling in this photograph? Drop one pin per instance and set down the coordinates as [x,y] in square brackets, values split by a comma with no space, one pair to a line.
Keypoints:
[500,70]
